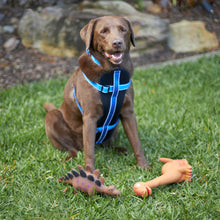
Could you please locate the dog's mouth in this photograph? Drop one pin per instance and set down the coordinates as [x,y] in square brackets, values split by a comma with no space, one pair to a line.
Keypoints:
[115,57]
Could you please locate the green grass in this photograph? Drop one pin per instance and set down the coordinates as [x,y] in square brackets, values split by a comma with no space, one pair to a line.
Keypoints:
[178,115]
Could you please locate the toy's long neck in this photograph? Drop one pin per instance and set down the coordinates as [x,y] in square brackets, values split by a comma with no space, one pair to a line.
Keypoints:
[166,178]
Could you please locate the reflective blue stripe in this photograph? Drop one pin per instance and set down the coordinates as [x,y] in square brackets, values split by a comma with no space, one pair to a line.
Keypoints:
[109,127]
[74,93]
[124,86]
[106,89]
[112,107]
[96,85]
[93,58]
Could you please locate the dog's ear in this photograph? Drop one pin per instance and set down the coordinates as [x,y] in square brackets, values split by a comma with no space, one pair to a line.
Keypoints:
[87,32]
[131,32]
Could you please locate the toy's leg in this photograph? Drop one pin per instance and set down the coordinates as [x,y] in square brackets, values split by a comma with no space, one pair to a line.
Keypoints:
[166,178]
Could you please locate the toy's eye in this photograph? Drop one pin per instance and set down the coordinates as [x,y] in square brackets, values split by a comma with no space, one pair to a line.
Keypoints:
[111,188]
[104,31]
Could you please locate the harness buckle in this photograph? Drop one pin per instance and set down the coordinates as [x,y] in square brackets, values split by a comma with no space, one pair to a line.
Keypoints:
[102,88]
[105,89]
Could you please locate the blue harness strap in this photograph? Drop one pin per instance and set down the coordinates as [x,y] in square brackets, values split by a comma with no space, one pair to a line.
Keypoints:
[74,94]
[93,58]
[112,87]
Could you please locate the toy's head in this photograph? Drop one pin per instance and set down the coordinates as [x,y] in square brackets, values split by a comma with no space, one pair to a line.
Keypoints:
[141,189]
[112,191]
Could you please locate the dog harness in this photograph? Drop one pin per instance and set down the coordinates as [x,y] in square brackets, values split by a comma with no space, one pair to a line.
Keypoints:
[112,87]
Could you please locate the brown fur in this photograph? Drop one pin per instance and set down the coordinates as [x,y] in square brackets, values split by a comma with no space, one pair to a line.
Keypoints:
[66,128]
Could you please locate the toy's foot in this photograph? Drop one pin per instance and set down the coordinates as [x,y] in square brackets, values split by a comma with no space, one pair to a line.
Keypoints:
[142,190]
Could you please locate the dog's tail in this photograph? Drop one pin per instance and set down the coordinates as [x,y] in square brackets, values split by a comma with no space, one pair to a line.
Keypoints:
[49,107]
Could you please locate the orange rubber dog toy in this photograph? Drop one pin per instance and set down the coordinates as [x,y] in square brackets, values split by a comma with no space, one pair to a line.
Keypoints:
[173,171]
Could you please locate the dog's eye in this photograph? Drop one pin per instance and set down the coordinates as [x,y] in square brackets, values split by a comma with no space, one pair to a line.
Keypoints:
[122,29]
[104,30]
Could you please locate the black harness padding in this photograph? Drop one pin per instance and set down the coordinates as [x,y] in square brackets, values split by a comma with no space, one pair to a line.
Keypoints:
[107,100]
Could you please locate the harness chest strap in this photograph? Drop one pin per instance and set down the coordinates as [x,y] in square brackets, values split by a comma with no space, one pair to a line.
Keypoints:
[112,108]
[114,89]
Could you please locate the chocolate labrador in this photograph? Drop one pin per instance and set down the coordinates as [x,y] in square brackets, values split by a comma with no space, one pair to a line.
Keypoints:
[98,94]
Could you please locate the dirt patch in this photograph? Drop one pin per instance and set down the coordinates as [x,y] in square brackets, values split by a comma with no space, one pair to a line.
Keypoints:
[27,65]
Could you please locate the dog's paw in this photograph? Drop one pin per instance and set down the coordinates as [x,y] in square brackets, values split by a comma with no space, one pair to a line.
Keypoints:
[144,165]
[121,150]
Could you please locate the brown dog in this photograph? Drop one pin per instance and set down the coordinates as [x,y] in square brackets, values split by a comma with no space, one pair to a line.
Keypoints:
[108,41]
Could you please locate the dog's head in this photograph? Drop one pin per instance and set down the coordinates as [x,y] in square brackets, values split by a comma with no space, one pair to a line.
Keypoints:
[110,36]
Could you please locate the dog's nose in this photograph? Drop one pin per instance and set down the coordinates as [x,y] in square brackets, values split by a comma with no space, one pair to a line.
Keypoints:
[117,43]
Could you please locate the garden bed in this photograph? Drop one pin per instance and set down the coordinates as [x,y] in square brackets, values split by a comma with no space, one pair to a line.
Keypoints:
[27,65]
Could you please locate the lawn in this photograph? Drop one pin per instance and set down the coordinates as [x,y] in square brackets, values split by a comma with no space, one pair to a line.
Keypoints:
[178,115]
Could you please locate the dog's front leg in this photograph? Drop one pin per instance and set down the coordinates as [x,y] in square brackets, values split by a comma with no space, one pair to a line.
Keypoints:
[89,134]
[130,127]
